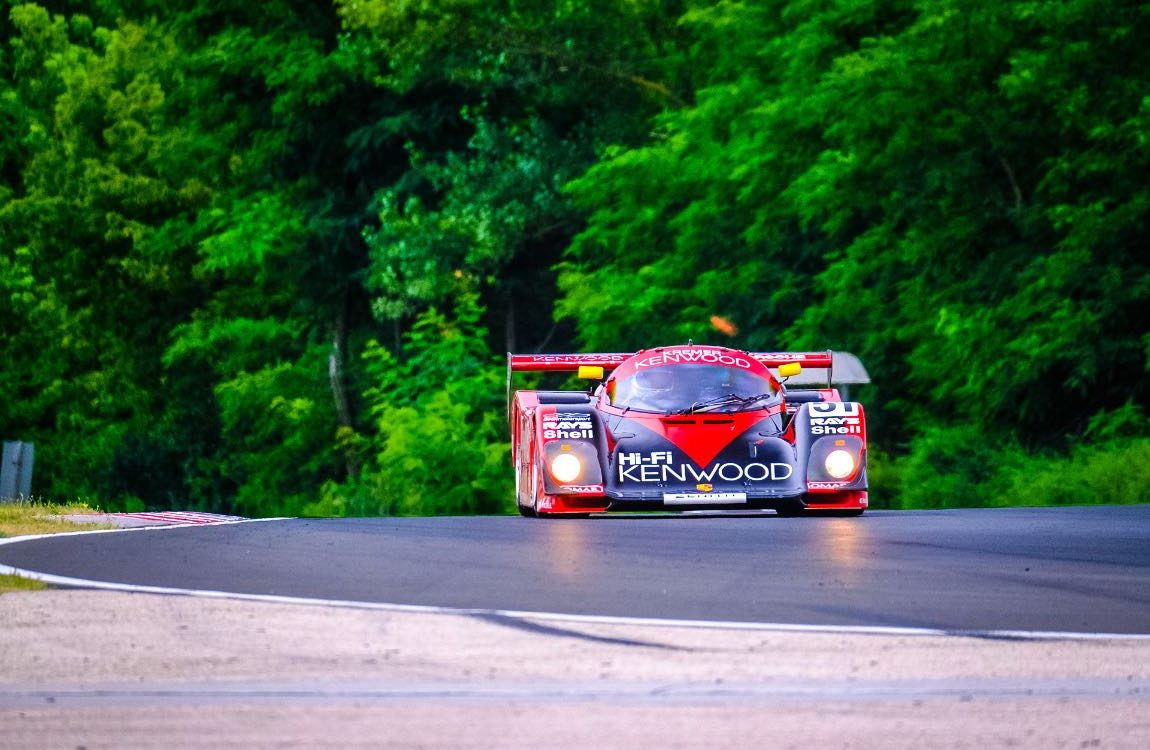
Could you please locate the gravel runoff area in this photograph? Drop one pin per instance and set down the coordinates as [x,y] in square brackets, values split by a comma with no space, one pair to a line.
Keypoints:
[98,669]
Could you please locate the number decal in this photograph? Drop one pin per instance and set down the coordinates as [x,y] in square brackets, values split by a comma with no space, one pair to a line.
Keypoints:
[835,408]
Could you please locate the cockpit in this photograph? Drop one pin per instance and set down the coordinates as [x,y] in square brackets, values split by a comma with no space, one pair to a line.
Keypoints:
[686,388]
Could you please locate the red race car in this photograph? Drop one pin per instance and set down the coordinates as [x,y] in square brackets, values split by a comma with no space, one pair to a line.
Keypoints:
[691,428]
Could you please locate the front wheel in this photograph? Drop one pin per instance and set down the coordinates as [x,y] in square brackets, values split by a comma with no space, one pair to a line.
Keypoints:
[797,509]
[793,509]
[527,511]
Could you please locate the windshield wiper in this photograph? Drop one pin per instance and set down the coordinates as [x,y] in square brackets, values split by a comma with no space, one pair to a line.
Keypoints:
[749,400]
[730,399]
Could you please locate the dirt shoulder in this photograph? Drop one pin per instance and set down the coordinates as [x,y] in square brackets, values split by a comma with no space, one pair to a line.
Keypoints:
[102,669]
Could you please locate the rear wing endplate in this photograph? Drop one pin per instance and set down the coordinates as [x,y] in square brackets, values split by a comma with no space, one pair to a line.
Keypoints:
[558,363]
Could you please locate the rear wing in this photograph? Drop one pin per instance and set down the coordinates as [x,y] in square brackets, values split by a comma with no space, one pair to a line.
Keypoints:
[572,362]
[562,362]
[558,363]
[835,369]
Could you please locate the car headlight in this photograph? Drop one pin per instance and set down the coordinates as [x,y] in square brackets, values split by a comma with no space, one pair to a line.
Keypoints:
[840,463]
[566,467]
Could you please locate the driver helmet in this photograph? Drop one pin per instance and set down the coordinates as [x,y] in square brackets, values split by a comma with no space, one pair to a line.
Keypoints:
[654,382]
[716,381]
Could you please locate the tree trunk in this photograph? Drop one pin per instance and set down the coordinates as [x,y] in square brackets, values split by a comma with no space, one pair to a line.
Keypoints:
[338,390]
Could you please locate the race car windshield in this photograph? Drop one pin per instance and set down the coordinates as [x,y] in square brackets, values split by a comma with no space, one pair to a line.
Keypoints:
[686,387]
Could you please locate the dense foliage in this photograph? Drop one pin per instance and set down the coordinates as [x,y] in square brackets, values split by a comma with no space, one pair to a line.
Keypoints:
[266,258]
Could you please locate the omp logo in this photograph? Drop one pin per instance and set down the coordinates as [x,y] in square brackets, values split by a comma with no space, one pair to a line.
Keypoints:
[584,489]
[826,485]
[705,356]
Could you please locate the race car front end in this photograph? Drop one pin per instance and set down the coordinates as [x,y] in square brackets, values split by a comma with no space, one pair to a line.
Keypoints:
[687,428]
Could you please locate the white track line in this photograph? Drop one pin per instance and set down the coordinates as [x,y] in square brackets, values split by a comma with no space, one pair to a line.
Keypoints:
[780,627]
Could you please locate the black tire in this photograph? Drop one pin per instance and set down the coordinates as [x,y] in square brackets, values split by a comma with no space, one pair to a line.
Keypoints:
[524,510]
[793,509]
[804,512]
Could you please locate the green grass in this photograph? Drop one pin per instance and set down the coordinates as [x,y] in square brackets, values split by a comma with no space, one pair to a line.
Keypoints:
[9,584]
[1112,474]
[26,517]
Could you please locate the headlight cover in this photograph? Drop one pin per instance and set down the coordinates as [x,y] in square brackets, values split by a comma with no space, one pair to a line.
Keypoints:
[839,463]
[566,467]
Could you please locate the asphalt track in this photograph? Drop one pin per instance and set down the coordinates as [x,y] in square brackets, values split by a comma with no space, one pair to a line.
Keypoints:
[1080,570]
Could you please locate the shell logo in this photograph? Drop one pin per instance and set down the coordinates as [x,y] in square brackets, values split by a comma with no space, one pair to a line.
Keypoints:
[704,487]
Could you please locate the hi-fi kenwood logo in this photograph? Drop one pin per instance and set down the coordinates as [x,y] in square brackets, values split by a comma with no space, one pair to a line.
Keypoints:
[657,467]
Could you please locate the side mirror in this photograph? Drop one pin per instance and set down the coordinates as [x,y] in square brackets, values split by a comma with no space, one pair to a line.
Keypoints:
[590,372]
[790,369]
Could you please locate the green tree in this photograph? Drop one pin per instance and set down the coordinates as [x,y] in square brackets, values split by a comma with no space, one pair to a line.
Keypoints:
[952,190]
[511,101]
[211,214]
[438,409]
[91,283]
